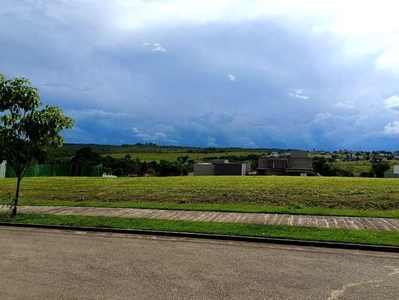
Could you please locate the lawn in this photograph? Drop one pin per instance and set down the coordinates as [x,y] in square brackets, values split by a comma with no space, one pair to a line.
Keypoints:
[297,195]
[305,195]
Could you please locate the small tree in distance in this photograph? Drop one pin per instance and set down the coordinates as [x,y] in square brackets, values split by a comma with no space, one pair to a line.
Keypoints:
[25,129]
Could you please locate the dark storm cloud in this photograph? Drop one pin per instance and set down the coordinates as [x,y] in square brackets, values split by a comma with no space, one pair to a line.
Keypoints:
[305,74]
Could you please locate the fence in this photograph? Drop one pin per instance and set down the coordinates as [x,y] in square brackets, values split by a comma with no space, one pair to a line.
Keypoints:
[58,170]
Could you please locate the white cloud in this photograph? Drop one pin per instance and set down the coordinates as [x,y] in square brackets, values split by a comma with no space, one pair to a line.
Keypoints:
[344,105]
[72,87]
[157,136]
[97,113]
[158,47]
[301,97]
[367,27]
[389,60]
[342,18]
[321,118]
[392,102]
[231,77]
[136,131]
[392,128]
[211,142]
[298,94]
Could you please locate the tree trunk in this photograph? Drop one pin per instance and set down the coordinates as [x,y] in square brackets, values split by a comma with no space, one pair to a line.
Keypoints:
[14,210]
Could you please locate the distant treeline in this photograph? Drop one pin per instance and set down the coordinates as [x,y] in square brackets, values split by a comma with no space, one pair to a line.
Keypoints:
[127,166]
[181,164]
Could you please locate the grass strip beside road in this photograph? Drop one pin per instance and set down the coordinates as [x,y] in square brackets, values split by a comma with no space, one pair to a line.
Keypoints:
[254,230]
[241,208]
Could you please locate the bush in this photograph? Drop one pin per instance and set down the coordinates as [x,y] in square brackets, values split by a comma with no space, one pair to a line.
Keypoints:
[367,173]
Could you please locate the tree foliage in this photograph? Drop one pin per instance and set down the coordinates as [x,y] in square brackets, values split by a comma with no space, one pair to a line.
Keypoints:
[129,166]
[380,169]
[26,129]
[322,167]
[86,156]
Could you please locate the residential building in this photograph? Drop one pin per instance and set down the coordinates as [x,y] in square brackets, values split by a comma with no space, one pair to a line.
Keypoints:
[297,164]
[221,167]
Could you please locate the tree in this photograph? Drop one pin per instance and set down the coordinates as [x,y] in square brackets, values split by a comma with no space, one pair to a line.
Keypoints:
[323,168]
[25,129]
[168,168]
[380,169]
[182,159]
[86,156]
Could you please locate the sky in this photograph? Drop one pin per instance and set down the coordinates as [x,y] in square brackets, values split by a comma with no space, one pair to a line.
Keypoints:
[240,73]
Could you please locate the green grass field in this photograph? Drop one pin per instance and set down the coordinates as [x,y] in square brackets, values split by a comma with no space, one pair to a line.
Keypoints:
[305,195]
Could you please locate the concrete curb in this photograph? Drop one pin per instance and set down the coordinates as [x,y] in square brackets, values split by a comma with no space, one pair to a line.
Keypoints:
[362,247]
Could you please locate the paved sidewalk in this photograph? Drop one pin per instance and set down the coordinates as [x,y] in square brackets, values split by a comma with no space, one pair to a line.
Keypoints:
[353,223]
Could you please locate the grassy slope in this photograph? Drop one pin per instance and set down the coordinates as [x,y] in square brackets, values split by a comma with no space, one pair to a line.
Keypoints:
[313,195]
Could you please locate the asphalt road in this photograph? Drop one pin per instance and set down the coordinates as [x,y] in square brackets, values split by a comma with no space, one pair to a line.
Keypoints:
[52,264]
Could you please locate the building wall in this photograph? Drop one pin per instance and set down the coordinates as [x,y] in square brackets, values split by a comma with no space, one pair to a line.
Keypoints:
[391,175]
[271,172]
[300,163]
[220,161]
[230,169]
[3,169]
[272,162]
[395,173]
[263,162]
[204,169]
[299,154]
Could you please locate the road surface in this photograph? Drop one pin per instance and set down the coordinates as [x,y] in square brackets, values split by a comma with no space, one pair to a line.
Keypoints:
[56,264]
